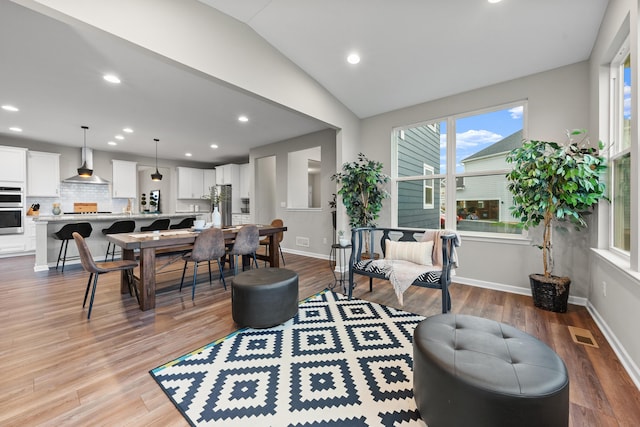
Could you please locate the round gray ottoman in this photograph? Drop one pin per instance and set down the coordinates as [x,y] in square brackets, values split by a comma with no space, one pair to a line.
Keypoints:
[470,371]
[264,297]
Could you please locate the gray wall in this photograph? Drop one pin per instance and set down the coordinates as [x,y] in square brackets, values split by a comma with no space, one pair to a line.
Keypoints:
[614,289]
[557,100]
[313,224]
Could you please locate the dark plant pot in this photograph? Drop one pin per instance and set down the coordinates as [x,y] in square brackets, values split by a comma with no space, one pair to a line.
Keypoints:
[550,293]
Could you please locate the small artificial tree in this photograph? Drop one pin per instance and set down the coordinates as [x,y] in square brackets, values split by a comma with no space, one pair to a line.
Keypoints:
[362,189]
[553,182]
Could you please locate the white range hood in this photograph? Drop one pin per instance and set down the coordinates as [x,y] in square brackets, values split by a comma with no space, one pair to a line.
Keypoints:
[93,179]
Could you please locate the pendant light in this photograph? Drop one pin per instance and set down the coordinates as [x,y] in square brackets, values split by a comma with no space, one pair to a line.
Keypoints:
[84,170]
[157,176]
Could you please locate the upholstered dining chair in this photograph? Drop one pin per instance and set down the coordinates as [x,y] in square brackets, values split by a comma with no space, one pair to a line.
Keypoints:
[208,245]
[246,242]
[117,227]
[95,269]
[278,238]
[158,224]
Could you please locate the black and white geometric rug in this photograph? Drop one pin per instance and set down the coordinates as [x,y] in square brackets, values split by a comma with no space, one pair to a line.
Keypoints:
[337,363]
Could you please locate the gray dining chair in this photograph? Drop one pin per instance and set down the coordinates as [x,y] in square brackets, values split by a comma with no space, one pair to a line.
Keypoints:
[208,245]
[95,269]
[246,242]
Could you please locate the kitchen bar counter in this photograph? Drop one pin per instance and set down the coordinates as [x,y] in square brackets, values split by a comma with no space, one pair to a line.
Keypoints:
[47,247]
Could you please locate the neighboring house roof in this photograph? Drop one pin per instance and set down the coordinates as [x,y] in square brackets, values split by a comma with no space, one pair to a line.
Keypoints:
[503,146]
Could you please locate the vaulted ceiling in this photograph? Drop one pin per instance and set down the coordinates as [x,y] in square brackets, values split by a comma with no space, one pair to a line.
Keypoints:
[411,52]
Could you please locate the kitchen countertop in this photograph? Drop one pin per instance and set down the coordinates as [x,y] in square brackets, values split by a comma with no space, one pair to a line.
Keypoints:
[107,217]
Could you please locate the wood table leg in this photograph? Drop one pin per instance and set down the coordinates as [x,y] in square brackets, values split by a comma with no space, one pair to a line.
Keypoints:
[274,259]
[147,278]
[124,279]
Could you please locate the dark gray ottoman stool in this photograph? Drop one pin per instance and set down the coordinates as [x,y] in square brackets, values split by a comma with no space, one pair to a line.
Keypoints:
[264,297]
[469,371]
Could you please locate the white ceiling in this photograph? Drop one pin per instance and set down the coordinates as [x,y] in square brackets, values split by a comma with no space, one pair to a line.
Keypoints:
[412,51]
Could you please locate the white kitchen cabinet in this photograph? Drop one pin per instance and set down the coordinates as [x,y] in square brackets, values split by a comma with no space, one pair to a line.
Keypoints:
[43,174]
[244,180]
[240,219]
[209,176]
[12,244]
[13,164]
[125,177]
[228,174]
[190,183]
[29,234]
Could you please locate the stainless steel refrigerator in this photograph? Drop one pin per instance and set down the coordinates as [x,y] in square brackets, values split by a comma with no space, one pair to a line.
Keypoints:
[225,192]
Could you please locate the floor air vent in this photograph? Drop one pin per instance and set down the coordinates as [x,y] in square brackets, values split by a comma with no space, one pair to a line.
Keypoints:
[582,336]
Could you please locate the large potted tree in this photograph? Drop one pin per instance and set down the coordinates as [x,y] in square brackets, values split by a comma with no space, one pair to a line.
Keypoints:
[554,184]
[362,188]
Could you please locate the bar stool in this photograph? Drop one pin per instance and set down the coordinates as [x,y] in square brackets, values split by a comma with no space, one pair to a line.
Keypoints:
[66,233]
[185,223]
[117,227]
[158,224]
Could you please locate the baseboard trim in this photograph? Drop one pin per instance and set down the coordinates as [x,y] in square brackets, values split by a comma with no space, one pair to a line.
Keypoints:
[509,288]
[627,362]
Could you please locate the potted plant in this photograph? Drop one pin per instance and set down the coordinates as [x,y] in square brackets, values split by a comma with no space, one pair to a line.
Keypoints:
[554,184]
[362,187]
[215,197]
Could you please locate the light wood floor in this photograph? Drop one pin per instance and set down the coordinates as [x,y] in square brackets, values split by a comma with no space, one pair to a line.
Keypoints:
[60,369]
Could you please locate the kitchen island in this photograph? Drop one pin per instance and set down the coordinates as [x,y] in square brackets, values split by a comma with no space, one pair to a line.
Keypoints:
[47,248]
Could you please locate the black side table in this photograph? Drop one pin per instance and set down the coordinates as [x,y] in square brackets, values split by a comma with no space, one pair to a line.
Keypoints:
[339,253]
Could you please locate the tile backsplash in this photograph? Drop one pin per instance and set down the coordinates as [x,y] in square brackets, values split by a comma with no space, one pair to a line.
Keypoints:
[74,192]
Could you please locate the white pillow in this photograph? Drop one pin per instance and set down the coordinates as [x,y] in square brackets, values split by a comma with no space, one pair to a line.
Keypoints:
[416,252]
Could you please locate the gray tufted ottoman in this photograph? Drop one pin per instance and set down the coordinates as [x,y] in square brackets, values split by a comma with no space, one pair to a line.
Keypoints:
[470,371]
[264,297]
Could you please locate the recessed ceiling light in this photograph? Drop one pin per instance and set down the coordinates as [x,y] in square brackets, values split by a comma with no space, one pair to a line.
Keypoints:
[214,146]
[353,58]
[120,137]
[188,154]
[494,1]
[127,130]
[10,108]
[243,119]
[111,78]
[15,129]
[112,143]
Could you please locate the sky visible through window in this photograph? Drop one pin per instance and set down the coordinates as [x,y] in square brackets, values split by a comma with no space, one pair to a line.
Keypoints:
[475,133]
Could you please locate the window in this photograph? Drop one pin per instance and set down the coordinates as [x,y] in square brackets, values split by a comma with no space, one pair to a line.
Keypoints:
[620,155]
[469,151]
[428,187]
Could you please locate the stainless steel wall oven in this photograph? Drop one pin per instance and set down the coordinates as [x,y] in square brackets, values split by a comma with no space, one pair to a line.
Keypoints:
[11,210]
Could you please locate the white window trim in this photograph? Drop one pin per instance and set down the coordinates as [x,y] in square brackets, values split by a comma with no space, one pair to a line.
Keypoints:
[616,90]
[428,170]
[450,195]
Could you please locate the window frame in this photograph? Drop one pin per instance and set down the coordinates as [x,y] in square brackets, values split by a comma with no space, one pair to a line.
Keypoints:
[616,149]
[428,170]
[450,174]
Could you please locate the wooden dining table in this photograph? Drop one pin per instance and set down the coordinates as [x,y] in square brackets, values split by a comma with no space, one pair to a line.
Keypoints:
[149,244]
